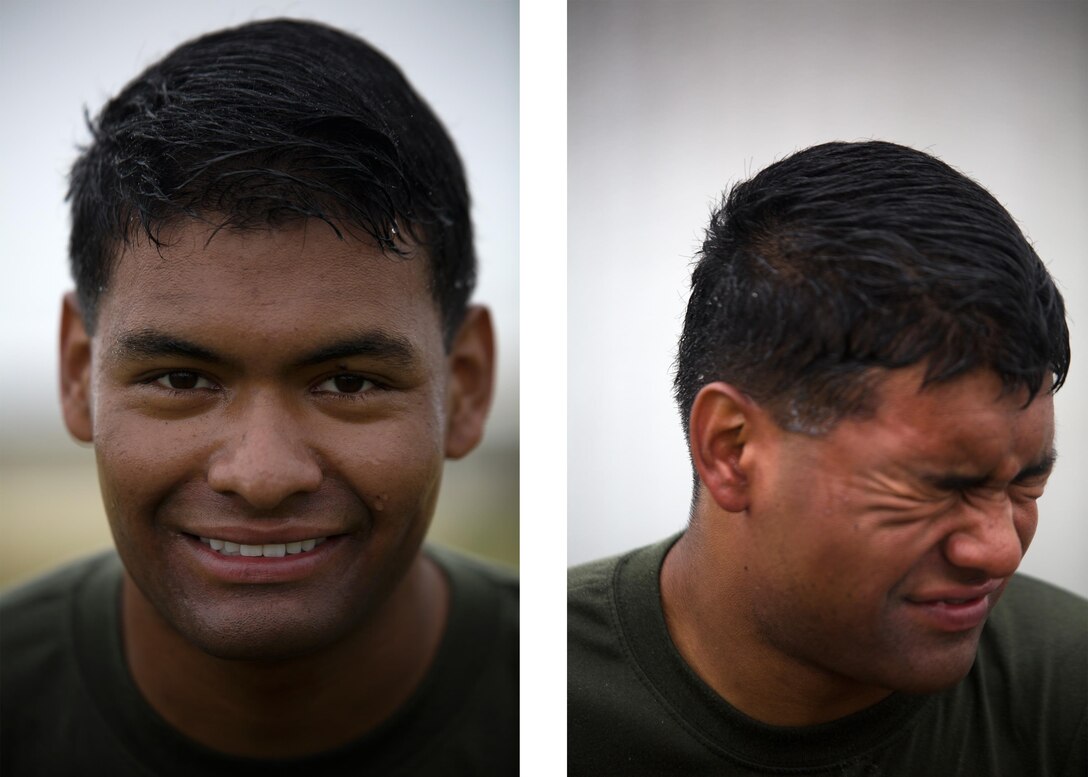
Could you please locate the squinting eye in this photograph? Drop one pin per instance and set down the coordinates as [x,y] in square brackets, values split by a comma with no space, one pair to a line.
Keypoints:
[1028,490]
[345,384]
[183,381]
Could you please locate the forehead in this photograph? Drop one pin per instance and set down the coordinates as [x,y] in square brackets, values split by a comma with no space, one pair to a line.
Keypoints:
[903,396]
[970,421]
[274,285]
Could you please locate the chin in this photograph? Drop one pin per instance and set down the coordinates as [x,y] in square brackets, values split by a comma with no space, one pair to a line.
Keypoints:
[933,682]
[261,631]
[257,641]
[935,671]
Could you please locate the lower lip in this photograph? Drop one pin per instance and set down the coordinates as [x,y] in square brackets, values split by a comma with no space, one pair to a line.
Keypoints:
[947,616]
[257,570]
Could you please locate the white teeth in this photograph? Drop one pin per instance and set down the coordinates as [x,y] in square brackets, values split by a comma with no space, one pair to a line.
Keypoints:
[273,550]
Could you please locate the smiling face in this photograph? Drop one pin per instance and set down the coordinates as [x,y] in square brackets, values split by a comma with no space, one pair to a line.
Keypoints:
[876,551]
[282,391]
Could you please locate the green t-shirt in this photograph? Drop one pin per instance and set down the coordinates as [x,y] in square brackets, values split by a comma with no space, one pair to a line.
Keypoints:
[70,707]
[635,706]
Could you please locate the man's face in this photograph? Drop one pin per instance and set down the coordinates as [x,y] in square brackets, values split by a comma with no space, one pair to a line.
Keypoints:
[280,393]
[882,545]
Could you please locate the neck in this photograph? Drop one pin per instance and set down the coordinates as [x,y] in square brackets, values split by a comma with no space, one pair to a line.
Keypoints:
[706,598]
[295,707]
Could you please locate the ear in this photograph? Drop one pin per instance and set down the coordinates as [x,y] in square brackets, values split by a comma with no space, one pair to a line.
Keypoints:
[472,377]
[75,371]
[720,426]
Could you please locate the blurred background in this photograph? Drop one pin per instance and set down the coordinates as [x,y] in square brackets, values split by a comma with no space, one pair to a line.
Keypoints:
[669,103]
[57,58]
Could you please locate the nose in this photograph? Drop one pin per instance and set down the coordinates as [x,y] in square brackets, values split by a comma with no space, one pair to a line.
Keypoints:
[992,537]
[265,457]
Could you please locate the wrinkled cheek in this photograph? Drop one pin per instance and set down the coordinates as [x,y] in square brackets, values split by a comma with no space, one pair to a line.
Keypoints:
[1026,521]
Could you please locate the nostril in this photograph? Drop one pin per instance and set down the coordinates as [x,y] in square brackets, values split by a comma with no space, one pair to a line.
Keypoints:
[264,472]
[993,551]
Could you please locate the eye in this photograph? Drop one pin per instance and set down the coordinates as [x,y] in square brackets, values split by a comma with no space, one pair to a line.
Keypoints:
[181,380]
[1029,490]
[345,383]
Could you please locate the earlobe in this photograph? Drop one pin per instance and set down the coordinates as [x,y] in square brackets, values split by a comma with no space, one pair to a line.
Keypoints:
[471,384]
[75,371]
[720,424]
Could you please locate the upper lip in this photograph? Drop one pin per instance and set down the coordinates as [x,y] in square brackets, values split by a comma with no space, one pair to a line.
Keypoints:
[956,592]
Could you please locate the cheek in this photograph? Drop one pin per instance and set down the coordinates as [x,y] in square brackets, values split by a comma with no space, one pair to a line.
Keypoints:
[395,468]
[141,471]
[137,460]
[1026,521]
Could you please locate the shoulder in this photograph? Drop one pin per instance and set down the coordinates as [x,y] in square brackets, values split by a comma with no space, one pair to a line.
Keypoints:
[1035,618]
[603,596]
[591,615]
[475,576]
[1030,677]
[484,595]
[1042,597]
[594,638]
[56,581]
[1038,635]
[37,607]
[591,581]
[471,696]
[616,717]
[593,588]
[458,562]
[44,696]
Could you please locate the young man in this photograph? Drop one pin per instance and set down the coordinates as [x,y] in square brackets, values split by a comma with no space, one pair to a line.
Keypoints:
[865,376]
[272,350]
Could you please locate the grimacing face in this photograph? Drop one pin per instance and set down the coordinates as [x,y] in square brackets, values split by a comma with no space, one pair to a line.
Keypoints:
[283,390]
[885,543]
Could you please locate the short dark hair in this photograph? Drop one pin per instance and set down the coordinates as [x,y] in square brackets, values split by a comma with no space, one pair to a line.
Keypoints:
[263,124]
[848,259]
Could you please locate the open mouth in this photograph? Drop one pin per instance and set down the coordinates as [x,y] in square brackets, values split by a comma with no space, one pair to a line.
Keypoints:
[273,550]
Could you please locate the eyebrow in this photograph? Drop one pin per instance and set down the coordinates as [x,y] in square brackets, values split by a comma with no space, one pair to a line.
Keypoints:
[375,344]
[1042,466]
[152,344]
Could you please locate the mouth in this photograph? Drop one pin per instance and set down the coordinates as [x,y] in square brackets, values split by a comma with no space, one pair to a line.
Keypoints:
[258,561]
[956,611]
[267,550]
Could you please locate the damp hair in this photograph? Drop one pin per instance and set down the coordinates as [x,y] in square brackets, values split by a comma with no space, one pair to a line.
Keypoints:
[846,260]
[266,124]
